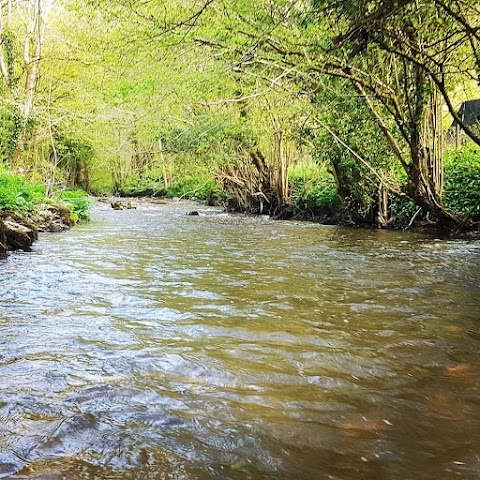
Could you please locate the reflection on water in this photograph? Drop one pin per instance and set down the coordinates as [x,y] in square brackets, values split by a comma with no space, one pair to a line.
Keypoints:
[155,345]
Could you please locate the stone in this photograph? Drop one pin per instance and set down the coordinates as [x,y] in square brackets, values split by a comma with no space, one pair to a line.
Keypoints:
[3,241]
[18,236]
[117,205]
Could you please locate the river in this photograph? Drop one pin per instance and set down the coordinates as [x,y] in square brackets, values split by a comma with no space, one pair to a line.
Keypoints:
[150,344]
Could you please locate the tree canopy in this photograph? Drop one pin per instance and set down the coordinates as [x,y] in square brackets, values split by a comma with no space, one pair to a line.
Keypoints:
[128,95]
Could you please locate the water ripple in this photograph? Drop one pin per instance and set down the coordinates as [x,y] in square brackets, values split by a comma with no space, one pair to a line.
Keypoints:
[151,344]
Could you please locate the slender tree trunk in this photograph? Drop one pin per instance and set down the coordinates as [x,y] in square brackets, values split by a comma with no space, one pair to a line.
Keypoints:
[425,172]
[34,39]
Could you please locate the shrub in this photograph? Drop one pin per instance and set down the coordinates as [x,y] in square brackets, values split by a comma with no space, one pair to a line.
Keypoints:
[17,194]
[313,186]
[79,204]
[462,181]
[402,210]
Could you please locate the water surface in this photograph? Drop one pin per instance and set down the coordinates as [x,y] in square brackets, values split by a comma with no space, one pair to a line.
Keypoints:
[154,345]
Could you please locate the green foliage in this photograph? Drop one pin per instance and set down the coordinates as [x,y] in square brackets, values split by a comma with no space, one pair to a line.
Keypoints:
[17,194]
[73,157]
[78,202]
[10,125]
[147,184]
[402,210]
[462,181]
[351,121]
[7,42]
[72,150]
[196,188]
[162,113]
[313,187]
[194,180]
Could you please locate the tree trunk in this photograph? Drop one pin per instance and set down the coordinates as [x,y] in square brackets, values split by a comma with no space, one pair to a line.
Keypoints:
[425,172]
[34,38]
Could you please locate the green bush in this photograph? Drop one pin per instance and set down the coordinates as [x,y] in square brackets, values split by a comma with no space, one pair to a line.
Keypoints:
[78,202]
[462,181]
[313,187]
[17,194]
[402,210]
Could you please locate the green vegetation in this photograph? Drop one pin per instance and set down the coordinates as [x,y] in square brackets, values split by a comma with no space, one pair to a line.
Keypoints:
[462,186]
[78,203]
[323,107]
[17,194]
[313,187]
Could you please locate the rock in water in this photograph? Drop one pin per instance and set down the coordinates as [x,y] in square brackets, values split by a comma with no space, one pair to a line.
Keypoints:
[117,205]
[19,236]
[3,240]
[18,230]
[122,205]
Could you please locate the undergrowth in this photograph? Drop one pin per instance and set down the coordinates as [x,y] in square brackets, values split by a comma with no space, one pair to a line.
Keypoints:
[77,201]
[18,194]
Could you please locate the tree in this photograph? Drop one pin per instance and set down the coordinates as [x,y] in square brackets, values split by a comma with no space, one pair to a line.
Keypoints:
[23,27]
[400,56]
[426,46]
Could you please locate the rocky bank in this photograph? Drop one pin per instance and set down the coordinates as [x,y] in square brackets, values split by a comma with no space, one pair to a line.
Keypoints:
[18,230]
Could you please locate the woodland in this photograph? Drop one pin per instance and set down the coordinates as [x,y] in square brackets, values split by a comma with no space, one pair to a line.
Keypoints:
[339,112]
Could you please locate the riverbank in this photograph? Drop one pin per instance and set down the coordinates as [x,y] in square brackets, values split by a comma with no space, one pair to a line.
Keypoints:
[332,215]
[418,222]
[19,229]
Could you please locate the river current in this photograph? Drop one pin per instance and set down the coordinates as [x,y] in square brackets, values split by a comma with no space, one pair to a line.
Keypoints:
[150,344]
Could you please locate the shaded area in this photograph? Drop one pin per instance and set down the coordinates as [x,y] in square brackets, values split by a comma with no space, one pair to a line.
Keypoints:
[469,113]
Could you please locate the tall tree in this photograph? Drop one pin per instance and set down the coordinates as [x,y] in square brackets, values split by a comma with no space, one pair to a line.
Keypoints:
[401,56]
[23,26]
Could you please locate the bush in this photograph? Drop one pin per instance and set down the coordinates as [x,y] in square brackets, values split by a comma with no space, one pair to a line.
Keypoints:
[313,187]
[402,210]
[78,203]
[17,194]
[462,181]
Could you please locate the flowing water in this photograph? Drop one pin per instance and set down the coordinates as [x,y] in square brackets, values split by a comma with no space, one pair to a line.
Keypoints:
[154,345]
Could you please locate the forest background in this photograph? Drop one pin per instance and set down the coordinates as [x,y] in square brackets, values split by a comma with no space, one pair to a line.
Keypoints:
[336,111]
